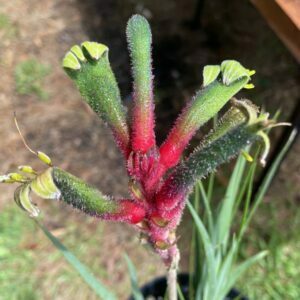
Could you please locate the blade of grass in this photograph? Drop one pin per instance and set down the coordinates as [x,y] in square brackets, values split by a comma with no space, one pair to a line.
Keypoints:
[84,272]
[137,295]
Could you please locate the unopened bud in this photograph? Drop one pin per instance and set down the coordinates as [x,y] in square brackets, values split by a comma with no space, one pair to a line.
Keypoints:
[44,158]
[27,169]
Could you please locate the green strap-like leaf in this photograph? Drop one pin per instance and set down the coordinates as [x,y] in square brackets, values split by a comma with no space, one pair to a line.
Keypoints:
[224,218]
[83,271]
[137,295]
[239,270]
[268,179]
[207,244]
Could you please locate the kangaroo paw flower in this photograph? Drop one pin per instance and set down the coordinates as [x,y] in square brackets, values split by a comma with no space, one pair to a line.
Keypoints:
[139,43]
[88,66]
[159,183]
[239,127]
[41,184]
[220,84]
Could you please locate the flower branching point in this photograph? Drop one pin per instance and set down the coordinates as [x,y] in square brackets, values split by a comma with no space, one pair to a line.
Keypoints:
[159,180]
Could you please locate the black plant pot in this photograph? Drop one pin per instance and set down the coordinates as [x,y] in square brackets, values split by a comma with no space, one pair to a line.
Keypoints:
[156,289]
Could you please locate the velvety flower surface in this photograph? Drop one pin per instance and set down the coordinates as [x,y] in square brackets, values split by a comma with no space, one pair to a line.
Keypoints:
[159,180]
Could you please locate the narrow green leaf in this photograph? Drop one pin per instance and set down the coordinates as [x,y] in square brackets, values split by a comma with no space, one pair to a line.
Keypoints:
[83,271]
[222,287]
[210,188]
[180,295]
[195,262]
[207,244]
[239,270]
[268,179]
[206,203]
[137,295]
[247,202]
[245,184]
[224,218]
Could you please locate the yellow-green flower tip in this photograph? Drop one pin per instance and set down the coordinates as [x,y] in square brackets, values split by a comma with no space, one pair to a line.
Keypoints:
[27,169]
[70,61]
[251,72]
[17,177]
[247,156]
[210,74]
[95,50]
[78,52]
[44,186]
[6,179]
[22,198]
[232,71]
[249,86]
[265,142]
[250,109]
[44,158]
